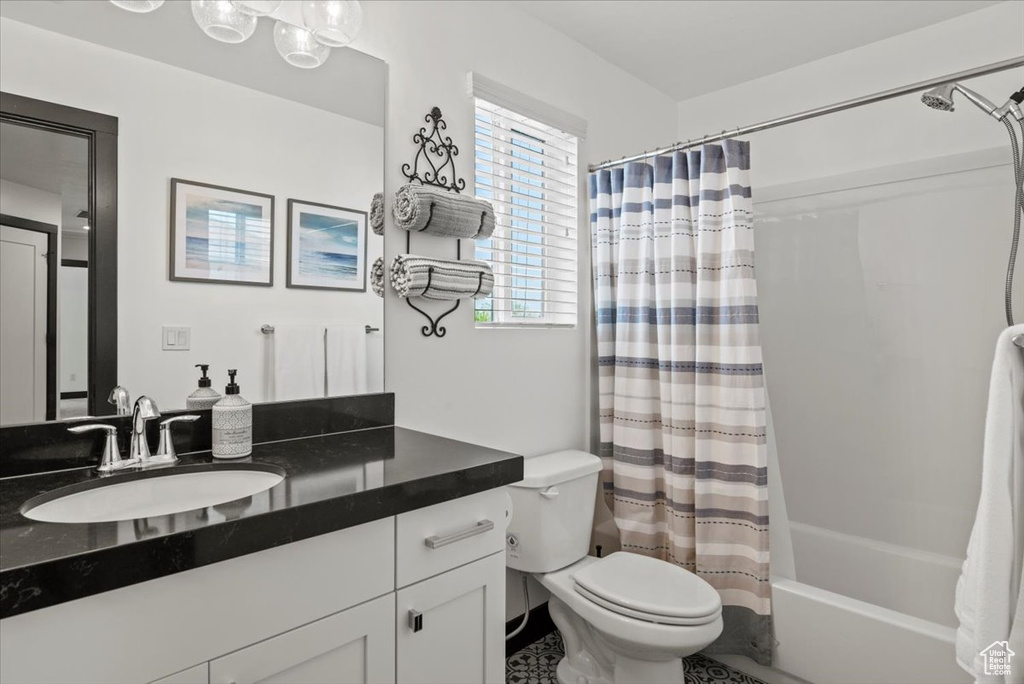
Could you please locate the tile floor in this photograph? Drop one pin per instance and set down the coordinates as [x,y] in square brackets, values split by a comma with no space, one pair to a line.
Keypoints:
[536,663]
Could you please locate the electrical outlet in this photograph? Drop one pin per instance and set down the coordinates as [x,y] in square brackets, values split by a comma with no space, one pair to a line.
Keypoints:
[176,338]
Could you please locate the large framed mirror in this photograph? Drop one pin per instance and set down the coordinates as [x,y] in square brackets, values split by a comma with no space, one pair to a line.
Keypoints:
[171,201]
[58,259]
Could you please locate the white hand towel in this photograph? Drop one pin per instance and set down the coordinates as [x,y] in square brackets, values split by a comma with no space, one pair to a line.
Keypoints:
[298,362]
[989,586]
[346,360]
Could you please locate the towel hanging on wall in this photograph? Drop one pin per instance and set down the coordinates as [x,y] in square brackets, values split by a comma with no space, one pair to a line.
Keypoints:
[377,214]
[443,279]
[346,360]
[377,276]
[431,211]
[296,357]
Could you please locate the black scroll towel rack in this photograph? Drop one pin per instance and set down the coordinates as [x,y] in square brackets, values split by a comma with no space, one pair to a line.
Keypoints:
[434,164]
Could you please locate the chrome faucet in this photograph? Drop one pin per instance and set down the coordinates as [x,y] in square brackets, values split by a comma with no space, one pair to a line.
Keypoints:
[165,451]
[145,410]
[119,397]
[111,460]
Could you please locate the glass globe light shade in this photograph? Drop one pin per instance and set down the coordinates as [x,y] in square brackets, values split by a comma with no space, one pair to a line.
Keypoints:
[257,8]
[222,21]
[140,6]
[298,46]
[334,23]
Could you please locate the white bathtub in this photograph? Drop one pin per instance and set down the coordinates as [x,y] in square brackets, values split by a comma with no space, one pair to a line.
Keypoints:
[831,628]
[827,638]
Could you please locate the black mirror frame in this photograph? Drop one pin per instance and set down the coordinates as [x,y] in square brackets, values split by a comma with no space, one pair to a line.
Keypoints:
[101,132]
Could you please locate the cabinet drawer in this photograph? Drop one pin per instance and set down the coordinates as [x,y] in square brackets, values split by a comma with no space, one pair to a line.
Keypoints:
[431,540]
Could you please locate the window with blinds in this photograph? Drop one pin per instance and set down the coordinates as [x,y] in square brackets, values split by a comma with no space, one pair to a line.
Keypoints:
[528,171]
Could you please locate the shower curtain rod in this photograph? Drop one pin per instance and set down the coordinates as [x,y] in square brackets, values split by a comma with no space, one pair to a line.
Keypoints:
[821,111]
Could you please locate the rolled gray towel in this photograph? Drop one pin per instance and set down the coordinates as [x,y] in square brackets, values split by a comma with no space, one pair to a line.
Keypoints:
[432,211]
[450,280]
[377,214]
[377,276]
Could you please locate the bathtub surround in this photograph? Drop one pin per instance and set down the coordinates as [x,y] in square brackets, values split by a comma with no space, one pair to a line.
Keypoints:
[988,595]
[681,397]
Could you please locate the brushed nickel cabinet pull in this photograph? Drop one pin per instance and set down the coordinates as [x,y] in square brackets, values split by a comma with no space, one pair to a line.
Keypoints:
[436,542]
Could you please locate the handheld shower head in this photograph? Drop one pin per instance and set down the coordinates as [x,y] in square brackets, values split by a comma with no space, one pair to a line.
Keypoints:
[941,98]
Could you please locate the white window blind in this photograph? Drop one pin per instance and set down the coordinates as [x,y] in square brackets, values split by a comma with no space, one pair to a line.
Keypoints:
[528,171]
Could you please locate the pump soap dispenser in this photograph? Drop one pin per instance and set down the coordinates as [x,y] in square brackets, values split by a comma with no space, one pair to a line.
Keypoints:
[232,423]
[204,397]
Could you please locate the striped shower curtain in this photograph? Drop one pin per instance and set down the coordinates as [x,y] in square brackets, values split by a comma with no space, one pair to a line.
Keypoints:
[681,394]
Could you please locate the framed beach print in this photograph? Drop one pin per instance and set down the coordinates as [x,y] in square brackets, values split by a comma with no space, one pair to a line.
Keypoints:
[221,235]
[326,247]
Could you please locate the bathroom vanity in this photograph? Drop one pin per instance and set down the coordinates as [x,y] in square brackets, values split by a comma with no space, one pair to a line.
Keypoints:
[378,558]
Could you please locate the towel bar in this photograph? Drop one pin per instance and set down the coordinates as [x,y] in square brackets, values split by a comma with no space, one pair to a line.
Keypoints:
[268,329]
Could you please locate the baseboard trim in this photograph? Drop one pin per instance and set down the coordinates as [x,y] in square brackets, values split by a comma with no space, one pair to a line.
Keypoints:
[539,626]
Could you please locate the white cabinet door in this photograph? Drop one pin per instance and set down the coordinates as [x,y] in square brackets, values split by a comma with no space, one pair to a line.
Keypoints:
[354,646]
[200,674]
[459,634]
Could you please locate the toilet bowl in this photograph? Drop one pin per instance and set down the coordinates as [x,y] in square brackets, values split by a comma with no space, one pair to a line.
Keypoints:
[608,641]
[624,618]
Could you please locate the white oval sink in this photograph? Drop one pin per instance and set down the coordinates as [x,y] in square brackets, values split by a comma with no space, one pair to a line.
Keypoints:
[164,494]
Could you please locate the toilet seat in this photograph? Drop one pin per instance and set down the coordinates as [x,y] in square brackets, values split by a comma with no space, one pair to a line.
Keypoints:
[648,589]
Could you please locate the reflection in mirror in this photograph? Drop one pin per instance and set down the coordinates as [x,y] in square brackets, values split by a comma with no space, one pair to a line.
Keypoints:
[44,279]
[243,187]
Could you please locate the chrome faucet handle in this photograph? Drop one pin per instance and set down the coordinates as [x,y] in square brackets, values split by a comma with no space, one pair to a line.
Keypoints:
[165,451]
[145,410]
[111,459]
[120,398]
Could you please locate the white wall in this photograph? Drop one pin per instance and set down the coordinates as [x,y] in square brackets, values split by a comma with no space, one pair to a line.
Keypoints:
[176,123]
[881,134]
[520,390]
[525,391]
[29,203]
[73,298]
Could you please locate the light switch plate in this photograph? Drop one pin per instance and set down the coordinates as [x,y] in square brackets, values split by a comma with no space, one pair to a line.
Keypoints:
[176,338]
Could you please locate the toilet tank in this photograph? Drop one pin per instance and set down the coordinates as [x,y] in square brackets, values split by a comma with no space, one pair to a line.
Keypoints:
[552,511]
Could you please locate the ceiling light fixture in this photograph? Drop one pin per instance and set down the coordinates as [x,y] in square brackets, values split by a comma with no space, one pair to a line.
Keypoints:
[298,46]
[326,24]
[138,6]
[223,21]
[257,8]
[334,23]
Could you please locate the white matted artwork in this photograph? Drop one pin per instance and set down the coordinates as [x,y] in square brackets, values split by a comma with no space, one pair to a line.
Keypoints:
[221,235]
[326,247]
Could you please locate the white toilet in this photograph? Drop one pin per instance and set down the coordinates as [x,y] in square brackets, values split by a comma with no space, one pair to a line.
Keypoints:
[624,618]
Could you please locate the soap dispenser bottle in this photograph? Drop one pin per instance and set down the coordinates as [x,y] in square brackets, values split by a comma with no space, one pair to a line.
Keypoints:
[204,397]
[232,423]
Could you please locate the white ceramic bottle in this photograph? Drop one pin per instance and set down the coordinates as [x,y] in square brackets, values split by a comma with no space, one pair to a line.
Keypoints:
[204,397]
[232,423]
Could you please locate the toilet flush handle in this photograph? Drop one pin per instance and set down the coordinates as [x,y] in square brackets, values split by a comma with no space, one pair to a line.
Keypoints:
[549,493]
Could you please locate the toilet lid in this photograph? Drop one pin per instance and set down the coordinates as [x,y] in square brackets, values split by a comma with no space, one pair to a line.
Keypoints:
[647,587]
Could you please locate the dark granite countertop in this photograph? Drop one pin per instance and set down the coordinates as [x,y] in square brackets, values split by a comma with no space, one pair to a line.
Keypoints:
[331,482]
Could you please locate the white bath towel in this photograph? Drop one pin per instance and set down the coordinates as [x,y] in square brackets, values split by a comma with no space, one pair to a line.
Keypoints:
[298,362]
[346,360]
[988,591]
